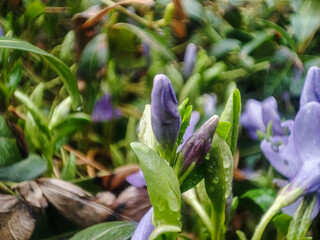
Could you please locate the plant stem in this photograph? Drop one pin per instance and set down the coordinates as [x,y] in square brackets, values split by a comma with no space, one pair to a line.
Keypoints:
[218,219]
[191,198]
[286,197]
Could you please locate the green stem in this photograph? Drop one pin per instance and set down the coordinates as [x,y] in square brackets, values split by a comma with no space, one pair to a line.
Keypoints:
[285,198]
[218,219]
[191,198]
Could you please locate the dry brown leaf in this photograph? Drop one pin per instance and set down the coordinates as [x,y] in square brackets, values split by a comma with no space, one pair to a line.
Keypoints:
[98,17]
[17,218]
[133,203]
[76,204]
[179,20]
[84,35]
[115,180]
[32,194]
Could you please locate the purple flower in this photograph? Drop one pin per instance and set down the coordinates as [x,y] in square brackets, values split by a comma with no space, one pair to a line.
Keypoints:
[165,117]
[137,179]
[144,228]
[298,157]
[199,144]
[103,110]
[257,115]
[1,31]
[189,59]
[311,88]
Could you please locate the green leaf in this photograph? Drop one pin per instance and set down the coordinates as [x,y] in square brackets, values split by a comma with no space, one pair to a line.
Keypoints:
[257,41]
[34,135]
[193,178]
[283,32]
[93,58]
[110,230]
[9,151]
[34,9]
[60,113]
[57,65]
[158,231]
[185,113]
[223,129]
[145,134]
[262,197]
[282,222]
[191,89]
[69,169]
[148,36]
[27,169]
[218,180]
[302,218]
[231,114]
[34,110]
[66,128]
[163,186]
[14,75]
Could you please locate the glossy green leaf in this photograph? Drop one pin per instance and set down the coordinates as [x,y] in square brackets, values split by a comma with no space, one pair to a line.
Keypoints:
[257,41]
[231,114]
[27,169]
[57,65]
[163,186]
[14,75]
[282,222]
[193,178]
[110,230]
[262,197]
[185,113]
[223,129]
[148,36]
[218,180]
[34,110]
[9,151]
[145,134]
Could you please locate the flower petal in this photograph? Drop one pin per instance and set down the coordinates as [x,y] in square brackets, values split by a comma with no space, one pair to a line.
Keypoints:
[270,114]
[311,87]
[144,228]
[251,118]
[136,179]
[306,132]
[283,158]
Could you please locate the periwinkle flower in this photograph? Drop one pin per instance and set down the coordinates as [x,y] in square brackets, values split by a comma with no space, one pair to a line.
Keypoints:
[165,117]
[257,115]
[146,52]
[103,110]
[311,87]
[190,56]
[298,157]
[199,144]
[144,228]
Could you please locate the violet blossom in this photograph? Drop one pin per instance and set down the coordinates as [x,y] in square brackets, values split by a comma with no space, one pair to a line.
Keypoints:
[165,117]
[311,87]
[298,156]
[145,226]
[103,110]
[257,115]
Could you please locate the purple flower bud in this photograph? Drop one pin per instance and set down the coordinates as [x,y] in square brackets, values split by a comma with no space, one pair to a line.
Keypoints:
[311,88]
[103,110]
[199,144]
[189,59]
[144,228]
[194,119]
[165,117]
